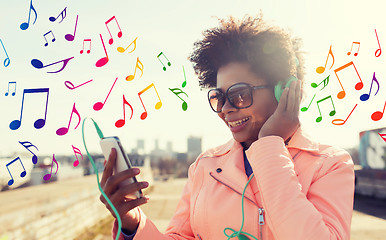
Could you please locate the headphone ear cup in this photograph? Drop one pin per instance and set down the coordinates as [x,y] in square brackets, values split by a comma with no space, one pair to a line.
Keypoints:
[279,89]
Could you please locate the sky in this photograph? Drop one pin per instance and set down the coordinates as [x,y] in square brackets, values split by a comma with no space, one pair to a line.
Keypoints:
[171,27]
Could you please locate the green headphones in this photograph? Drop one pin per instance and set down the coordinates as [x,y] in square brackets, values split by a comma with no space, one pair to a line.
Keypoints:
[279,87]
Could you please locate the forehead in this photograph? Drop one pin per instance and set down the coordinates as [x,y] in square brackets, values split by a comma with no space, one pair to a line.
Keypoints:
[236,72]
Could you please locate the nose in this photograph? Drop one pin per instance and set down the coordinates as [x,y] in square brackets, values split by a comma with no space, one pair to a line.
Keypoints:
[227,107]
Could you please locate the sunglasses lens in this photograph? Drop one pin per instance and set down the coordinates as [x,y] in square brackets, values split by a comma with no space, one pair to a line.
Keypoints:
[240,96]
[216,100]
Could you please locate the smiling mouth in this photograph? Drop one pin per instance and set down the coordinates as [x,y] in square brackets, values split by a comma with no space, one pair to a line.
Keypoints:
[238,123]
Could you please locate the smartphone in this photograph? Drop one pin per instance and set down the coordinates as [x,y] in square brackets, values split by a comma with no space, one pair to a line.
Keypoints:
[122,162]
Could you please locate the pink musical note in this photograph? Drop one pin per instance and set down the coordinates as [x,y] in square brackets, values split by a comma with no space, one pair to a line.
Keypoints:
[383,136]
[341,121]
[157,105]
[99,105]
[358,44]
[71,37]
[358,86]
[76,151]
[101,62]
[63,14]
[137,65]
[321,68]
[376,116]
[64,130]
[53,38]
[365,97]
[25,25]
[22,174]
[122,50]
[71,86]
[48,175]
[38,64]
[379,50]
[27,145]
[119,33]
[178,91]
[121,122]
[89,50]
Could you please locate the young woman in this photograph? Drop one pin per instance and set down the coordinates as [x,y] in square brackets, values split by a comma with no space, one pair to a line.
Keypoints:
[271,181]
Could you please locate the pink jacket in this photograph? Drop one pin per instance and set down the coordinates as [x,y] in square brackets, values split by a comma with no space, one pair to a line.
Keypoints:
[300,191]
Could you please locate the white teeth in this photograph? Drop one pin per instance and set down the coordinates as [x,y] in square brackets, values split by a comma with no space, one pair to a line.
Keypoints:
[239,122]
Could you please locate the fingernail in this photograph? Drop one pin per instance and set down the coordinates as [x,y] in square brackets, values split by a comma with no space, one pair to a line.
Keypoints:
[145,184]
[136,170]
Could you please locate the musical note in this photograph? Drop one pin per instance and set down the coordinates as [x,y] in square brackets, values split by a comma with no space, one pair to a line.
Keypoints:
[48,175]
[341,121]
[7,61]
[15,124]
[131,77]
[53,38]
[158,105]
[25,25]
[71,86]
[76,151]
[178,91]
[184,83]
[365,97]
[321,68]
[38,64]
[14,91]
[101,62]
[122,50]
[70,37]
[324,81]
[169,64]
[27,145]
[99,105]
[379,51]
[303,109]
[119,33]
[355,54]
[376,116]
[64,130]
[88,51]
[121,122]
[22,174]
[358,86]
[382,135]
[332,113]
[63,14]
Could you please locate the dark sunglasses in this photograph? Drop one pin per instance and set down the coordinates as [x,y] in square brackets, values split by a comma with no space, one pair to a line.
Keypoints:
[239,96]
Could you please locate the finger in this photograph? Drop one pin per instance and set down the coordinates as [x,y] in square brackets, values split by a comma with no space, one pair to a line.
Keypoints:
[113,182]
[128,191]
[291,97]
[131,204]
[109,167]
[298,97]
[283,101]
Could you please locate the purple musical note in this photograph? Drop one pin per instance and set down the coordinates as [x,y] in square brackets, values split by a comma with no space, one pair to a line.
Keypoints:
[38,64]
[70,37]
[63,14]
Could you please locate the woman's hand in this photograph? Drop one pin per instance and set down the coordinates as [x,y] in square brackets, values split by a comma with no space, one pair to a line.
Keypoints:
[285,120]
[118,195]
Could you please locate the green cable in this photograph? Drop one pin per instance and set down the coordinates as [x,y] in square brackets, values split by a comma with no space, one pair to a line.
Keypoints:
[240,234]
[96,172]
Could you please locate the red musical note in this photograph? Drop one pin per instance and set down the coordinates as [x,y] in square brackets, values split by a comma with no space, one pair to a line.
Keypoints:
[355,54]
[27,145]
[324,81]
[376,116]
[63,14]
[137,65]
[122,50]
[101,62]
[119,33]
[321,68]
[89,50]
[379,51]
[157,105]
[382,135]
[341,121]
[25,25]
[71,37]
[38,64]
[64,130]
[76,151]
[48,175]
[53,38]
[365,97]
[22,174]
[71,86]
[99,105]
[332,113]
[121,122]
[358,86]
[178,91]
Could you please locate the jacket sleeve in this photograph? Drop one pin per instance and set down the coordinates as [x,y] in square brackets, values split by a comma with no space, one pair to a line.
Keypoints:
[179,227]
[323,213]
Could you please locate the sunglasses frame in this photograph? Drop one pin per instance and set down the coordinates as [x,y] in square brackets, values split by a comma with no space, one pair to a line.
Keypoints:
[226,96]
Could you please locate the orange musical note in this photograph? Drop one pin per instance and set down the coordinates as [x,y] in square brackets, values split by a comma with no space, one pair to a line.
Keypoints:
[22,174]
[365,97]
[355,54]
[89,50]
[324,81]
[99,105]
[341,121]
[122,50]
[137,65]
[157,105]
[101,62]
[376,116]
[303,109]
[178,91]
[64,130]
[358,86]
[48,175]
[379,50]
[332,113]
[76,151]
[119,33]
[121,122]
[169,64]
[321,68]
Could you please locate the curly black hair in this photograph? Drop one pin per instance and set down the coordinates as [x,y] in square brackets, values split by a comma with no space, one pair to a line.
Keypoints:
[271,52]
